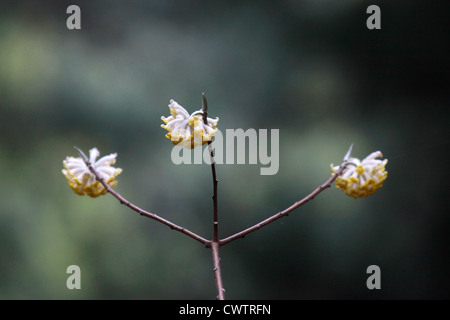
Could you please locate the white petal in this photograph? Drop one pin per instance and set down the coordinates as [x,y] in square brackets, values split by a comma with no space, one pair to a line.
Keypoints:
[212,122]
[93,154]
[178,109]
[106,160]
[373,155]
[348,172]
[370,162]
[107,170]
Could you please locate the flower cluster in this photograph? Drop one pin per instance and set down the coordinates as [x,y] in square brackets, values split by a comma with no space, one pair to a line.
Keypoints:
[83,181]
[362,178]
[188,130]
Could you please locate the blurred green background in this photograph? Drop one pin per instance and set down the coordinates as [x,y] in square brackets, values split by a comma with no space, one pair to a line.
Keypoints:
[309,68]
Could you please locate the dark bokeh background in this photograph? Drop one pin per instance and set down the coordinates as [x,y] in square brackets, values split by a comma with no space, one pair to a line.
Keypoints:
[309,68]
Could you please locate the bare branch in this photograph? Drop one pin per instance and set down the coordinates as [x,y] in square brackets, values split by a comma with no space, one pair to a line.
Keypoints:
[217,270]
[285,212]
[215,241]
[145,213]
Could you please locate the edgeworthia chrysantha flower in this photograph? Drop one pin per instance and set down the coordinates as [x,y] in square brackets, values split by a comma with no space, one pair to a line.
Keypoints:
[82,180]
[362,178]
[188,130]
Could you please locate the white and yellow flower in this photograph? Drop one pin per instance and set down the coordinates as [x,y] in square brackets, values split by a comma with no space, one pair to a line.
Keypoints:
[362,178]
[188,130]
[82,180]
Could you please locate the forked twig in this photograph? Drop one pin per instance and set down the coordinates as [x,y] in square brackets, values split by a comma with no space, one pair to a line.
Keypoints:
[216,242]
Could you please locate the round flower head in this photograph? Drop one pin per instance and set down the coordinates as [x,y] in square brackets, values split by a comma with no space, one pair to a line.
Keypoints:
[82,180]
[362,178]
[188,130]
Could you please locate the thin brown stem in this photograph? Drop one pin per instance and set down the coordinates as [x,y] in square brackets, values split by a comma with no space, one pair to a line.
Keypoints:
[215,241]
[214,196]
[217,271]
[286,211]
[145,213]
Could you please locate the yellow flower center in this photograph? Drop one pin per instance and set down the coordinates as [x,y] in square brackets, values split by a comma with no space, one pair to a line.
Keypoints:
[193,121]
[359,169]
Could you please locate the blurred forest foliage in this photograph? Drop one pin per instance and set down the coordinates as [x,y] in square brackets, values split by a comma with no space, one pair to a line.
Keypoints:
[309,68]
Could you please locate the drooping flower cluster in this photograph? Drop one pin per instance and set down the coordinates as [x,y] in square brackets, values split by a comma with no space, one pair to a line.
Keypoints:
[83,181]
[188,130]
[362,178]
